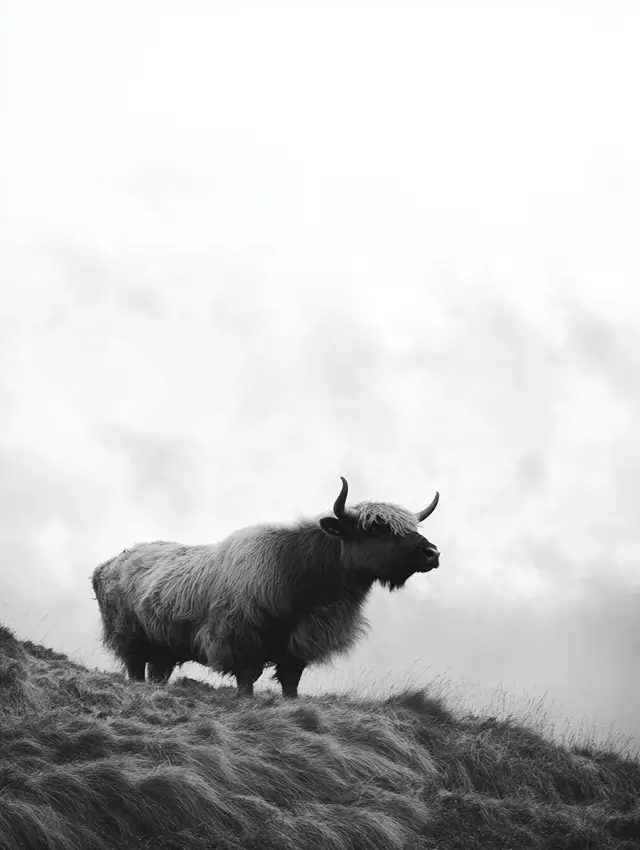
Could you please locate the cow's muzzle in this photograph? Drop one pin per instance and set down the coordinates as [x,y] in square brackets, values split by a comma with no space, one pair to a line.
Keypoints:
[431,560]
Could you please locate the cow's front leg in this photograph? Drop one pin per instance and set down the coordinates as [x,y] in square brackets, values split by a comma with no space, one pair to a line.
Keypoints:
[246,675]
[288,673]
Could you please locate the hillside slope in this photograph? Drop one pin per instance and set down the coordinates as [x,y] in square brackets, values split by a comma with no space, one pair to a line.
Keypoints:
[89,761]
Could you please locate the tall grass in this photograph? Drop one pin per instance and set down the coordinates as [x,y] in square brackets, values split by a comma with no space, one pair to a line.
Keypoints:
[90,761]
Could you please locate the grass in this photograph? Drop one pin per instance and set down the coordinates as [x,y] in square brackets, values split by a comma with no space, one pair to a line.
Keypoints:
[89,761]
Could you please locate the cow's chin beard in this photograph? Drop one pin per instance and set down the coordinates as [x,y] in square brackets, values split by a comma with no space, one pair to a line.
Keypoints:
[397,580]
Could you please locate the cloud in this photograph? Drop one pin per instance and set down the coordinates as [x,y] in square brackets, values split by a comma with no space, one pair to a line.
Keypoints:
[163,472]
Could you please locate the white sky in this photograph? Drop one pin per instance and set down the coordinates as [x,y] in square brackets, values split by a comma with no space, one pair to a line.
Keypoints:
[247,249]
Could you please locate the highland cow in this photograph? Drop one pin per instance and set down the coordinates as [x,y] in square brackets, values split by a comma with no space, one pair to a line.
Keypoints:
[281,596]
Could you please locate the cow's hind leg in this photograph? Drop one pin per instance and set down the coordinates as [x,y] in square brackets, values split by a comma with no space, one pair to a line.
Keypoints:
[135,664]
[288,673]
[135,654]
[161,668]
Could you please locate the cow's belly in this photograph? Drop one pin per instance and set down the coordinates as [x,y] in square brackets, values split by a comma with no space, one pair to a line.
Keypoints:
[319,636]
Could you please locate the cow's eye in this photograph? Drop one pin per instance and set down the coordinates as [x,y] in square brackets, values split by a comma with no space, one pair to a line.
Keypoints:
[380,528]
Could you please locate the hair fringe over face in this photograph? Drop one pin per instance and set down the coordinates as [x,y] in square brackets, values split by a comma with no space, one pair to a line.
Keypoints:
[400,520]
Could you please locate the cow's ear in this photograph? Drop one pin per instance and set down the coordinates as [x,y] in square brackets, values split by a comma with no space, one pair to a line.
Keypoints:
[332,525]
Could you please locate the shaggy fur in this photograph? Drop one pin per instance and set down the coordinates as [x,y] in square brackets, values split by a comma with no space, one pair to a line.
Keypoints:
[265,595]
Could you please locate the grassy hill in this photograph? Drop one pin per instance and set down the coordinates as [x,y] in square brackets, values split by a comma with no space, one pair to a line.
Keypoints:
[90,761]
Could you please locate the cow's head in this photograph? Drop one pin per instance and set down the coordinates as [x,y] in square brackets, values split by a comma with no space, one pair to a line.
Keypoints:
[381,541]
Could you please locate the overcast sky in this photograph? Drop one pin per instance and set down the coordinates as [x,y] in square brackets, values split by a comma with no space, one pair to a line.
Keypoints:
[247,249]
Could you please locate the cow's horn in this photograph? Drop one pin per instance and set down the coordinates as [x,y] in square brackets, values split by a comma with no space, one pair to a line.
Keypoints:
[338,505]
[428,510]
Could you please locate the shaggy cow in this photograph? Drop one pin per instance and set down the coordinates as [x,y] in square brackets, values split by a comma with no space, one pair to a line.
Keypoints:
[286,596]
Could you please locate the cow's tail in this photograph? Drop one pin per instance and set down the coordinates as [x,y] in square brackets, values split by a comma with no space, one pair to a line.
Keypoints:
[97,580]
